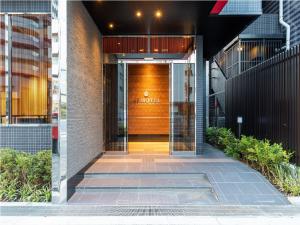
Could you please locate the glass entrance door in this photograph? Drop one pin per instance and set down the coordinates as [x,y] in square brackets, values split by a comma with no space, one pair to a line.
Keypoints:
[182,108]
[115,107]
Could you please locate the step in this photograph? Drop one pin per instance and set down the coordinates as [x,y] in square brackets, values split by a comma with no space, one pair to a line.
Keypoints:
[145,197]
[95,181]
[143,189]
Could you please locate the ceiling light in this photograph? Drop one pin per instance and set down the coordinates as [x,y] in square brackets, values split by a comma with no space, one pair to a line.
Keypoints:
[111,26]
[141,50]
[158,14]
[138,14]
[156,50]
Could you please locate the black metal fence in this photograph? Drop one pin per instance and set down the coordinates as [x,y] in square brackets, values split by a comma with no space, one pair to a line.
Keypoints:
[268,98]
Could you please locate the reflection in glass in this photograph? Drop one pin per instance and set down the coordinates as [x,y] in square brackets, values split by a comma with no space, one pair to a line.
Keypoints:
[30,68]
[115,132]
[183,107]
[2,70]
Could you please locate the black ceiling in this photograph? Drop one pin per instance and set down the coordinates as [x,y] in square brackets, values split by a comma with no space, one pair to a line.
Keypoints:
[179,18]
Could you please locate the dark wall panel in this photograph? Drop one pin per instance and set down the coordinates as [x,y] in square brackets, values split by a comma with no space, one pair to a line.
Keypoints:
[268,98]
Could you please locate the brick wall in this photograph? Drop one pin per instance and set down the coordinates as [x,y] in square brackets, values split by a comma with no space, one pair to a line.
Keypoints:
[84,88]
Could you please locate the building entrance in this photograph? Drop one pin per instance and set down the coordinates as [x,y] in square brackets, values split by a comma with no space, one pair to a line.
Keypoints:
[148,108]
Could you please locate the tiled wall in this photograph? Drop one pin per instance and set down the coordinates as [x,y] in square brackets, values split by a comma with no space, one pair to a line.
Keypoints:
[200,96]
[28,138]
[291,14]
[84,88]
[25,6]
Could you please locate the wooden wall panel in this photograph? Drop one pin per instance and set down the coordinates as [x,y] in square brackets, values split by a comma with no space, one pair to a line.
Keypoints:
[125,44]
[163,45]
[148,118]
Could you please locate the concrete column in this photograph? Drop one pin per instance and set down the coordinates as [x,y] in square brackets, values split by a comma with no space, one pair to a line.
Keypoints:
[200,96]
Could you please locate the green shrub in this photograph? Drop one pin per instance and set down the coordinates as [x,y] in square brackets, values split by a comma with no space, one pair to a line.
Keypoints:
[219,137]
[24,176]
[272,160]
[265,156]
[233,149]
[287,178]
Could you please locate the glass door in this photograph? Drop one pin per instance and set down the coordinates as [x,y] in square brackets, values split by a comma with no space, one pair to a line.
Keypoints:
[182,108]
[115,107]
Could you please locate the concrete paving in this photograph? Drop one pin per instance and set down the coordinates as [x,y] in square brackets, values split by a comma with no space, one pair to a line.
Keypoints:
[210,179]
[34,209]
[143,220]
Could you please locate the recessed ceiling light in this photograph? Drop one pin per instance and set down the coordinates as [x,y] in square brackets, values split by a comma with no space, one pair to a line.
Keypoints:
[111,26]
[138,14]
[156,50]
[158,14]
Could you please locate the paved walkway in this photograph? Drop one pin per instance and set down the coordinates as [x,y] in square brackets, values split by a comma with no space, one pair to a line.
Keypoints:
[211,179]
[143,220]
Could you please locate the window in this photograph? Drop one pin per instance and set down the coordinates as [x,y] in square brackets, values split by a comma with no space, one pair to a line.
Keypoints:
[30,41]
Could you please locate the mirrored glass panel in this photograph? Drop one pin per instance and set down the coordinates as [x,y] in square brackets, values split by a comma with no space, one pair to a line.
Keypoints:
[31,68]
[2,70]
[182,138]
[27,98]
[115,130]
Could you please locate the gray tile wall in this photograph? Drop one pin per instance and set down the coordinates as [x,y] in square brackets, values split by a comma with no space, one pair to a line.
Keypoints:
[84,88]
[291,14]
[200,96]
[266,24]
[26,6]
[27,138]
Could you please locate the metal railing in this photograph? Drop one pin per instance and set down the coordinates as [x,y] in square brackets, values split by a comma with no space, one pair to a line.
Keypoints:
[267,96]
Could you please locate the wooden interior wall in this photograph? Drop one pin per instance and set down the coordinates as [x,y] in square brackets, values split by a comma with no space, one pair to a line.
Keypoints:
[139,44]
[148,118]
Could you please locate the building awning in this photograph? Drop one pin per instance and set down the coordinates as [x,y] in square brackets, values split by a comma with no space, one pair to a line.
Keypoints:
[205,18]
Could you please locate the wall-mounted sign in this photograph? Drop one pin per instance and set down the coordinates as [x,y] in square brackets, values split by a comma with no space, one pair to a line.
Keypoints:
[147,99]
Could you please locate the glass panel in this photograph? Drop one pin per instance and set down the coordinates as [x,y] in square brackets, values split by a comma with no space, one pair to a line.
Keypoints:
[115,131]
[2,70]
[31,68]
[183,107]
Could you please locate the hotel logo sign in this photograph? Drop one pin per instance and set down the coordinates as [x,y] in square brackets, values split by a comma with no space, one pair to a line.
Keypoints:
[147,99]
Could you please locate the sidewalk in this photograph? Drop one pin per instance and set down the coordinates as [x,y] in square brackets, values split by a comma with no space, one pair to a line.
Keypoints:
[142,220]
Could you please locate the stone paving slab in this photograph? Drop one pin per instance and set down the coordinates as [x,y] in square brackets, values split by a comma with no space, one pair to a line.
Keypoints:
[141,197]
[233,182]
[148,180]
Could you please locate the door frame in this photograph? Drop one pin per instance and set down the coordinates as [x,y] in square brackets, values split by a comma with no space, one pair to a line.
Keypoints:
[171,63]
[171,140]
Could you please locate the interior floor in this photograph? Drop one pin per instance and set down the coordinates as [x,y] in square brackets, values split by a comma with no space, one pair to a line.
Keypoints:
[148,144]
[148,147]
